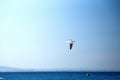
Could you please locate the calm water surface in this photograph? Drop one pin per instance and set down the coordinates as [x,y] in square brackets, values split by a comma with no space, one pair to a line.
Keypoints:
[59,76]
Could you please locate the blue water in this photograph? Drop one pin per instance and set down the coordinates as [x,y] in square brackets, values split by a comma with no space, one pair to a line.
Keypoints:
[59,76]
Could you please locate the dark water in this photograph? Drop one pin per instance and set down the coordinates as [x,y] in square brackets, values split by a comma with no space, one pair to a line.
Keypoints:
[59,76]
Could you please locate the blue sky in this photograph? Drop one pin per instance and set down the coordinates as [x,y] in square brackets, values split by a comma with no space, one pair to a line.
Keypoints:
[33,34]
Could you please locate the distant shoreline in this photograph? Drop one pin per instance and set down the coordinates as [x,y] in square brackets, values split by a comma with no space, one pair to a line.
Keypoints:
[12,69]
[64,71]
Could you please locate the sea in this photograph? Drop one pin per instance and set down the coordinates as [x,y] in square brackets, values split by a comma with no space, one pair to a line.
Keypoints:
[59,75]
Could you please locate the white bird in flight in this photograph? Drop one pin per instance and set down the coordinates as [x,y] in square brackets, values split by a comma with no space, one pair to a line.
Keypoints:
[70,42]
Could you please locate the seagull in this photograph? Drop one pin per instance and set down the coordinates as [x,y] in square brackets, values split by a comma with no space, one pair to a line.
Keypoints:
[70,42]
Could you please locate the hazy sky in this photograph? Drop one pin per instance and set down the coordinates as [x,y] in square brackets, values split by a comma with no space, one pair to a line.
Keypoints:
[33,34]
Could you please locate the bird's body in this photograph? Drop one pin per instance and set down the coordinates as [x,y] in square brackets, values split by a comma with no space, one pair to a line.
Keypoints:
[70,42]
